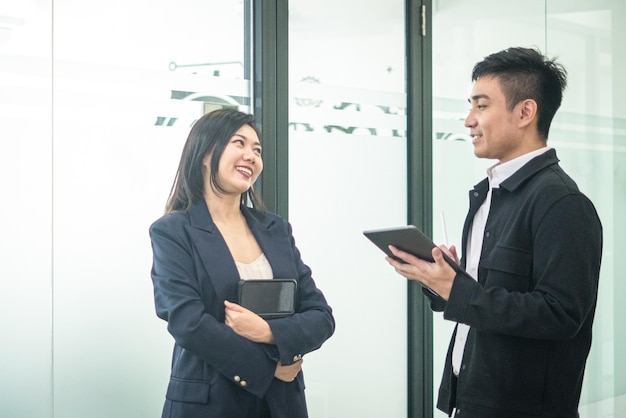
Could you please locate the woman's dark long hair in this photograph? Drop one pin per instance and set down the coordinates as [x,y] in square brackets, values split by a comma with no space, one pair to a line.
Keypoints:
[209,135]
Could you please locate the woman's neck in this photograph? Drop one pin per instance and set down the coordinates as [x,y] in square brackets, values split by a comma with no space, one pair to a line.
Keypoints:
[223,208]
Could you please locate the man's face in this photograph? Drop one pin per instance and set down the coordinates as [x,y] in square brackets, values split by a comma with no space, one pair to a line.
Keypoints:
[494,129]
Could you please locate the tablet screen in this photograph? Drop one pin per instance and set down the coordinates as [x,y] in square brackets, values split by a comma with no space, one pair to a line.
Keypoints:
[268,298]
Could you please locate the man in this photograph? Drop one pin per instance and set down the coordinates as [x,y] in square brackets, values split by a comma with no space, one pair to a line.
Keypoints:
[532,245]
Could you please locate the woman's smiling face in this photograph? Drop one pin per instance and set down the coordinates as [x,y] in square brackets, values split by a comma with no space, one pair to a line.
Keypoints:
[240,163]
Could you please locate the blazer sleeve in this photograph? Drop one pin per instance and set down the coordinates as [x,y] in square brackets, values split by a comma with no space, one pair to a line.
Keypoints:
[180,301]
[313,322]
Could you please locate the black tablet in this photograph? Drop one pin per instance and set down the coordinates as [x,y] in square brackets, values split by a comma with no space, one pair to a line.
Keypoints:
[272,298]
[406,238]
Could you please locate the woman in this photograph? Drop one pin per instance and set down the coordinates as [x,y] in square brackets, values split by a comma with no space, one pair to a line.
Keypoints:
[229,362]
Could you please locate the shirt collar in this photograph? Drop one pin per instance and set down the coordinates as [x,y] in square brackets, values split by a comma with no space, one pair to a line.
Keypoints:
[499,172]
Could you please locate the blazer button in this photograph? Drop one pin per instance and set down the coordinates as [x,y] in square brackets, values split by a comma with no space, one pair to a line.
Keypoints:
[297,357]
[237,379]
[243,383]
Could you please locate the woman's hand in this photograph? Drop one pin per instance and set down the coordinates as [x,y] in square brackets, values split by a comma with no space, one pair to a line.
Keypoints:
[288,373]
[248,324]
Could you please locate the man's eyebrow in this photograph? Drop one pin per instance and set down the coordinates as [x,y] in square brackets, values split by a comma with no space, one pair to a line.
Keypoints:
[477,97]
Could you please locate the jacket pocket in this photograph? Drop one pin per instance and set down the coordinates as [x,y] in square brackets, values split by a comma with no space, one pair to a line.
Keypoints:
[510,268]
[193,391]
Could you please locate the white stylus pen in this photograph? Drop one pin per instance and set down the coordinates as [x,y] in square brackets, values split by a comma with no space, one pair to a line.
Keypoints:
[444,230]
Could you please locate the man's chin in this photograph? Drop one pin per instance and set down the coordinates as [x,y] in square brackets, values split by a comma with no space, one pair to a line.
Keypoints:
[478,152]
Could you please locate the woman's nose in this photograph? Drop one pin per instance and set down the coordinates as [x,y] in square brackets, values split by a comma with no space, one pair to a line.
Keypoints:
[250,155]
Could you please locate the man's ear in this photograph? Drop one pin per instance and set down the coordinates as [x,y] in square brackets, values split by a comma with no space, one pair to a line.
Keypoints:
[527,111]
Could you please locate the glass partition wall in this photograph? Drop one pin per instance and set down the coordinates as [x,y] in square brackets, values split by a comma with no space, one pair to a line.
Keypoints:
[25,211]
[96,101]
[347,173]
[588,133]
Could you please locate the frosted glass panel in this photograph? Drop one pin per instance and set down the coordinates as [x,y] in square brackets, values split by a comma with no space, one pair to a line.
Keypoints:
[347,173]
[130,78]
[25,211]
[589,133]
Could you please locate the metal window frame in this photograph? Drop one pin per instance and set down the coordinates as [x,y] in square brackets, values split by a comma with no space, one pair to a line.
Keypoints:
[271,99]
[420,201]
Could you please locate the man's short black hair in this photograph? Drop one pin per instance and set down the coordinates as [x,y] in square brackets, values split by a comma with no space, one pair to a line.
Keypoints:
[525,73]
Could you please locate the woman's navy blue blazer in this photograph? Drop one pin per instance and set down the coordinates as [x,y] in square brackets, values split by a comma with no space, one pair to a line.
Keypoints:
[215,372]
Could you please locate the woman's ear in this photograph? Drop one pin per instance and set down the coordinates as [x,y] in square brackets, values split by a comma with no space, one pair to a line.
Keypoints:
[206,162]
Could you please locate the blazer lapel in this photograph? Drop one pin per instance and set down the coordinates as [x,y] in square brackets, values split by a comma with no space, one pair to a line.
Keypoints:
[275,242]
[213,251]
[217,260]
